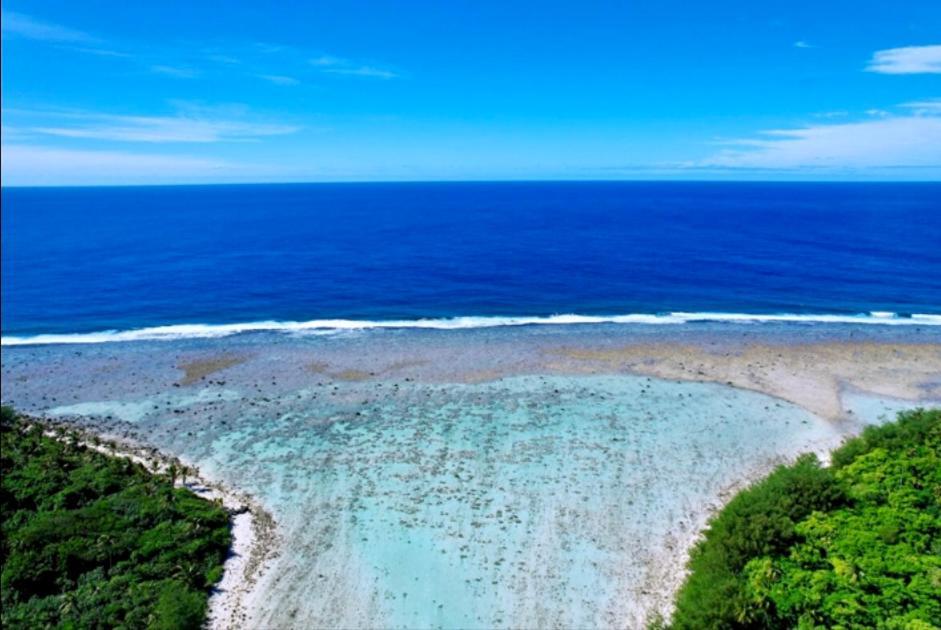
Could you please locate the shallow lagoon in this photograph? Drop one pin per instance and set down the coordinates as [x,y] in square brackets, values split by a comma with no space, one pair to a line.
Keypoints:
[552,501]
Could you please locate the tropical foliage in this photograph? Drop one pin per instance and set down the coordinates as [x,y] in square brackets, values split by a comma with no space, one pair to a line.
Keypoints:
[91,540]
[856,544]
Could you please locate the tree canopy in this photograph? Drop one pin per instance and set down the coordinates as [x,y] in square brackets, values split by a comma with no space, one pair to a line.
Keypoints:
[91,540]
[856,544]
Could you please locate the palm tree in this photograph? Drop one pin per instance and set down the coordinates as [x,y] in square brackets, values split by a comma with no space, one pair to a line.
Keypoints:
[172,471]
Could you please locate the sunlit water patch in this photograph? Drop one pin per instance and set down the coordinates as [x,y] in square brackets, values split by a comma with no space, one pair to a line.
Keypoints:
[527,501]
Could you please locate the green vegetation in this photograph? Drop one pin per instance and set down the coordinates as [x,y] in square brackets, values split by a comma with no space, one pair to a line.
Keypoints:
[854,545]
[96,541]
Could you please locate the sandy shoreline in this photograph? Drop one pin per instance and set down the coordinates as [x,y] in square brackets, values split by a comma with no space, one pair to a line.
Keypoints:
[811,375]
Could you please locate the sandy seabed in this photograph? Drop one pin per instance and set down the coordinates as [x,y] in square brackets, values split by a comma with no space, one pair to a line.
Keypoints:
[494,479]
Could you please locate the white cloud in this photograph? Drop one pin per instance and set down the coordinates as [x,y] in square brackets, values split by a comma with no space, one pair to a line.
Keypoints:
[195,126]
[30,165]
[908,60]
[279,79]
[803,44]
[18,24]
[882,143]
[339,65]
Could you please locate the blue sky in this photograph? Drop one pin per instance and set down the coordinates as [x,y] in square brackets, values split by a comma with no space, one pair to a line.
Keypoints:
[186,92]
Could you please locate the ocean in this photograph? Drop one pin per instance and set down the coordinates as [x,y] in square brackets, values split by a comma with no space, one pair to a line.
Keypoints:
[180,261]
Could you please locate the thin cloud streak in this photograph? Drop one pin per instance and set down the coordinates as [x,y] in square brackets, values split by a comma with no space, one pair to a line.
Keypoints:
[364,71]
[890,142]
[931,106]
[21,25]
[278,79]
[174,71]
[224,59]
[328,60]
[338,65]
[31,165]
[907,60]
[101,52]
[25,26]
[159,129]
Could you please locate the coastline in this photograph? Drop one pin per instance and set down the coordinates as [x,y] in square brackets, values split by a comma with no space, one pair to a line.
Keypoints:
[671,568]
[254,530]
[201,385]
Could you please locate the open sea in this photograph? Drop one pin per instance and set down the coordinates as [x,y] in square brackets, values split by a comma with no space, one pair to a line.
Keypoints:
[182,261]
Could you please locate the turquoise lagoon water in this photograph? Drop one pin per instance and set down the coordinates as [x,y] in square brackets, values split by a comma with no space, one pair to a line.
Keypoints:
[548,501]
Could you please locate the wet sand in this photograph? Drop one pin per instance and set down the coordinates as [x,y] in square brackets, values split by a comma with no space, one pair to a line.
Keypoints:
[813,376]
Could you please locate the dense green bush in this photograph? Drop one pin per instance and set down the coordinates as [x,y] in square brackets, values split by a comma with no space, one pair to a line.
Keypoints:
[96,541]
[857,544]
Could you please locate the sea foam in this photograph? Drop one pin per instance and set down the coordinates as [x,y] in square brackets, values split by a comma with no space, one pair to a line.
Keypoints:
[330,326]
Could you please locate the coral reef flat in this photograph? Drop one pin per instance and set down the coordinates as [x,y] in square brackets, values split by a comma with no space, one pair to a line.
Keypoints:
[532,476]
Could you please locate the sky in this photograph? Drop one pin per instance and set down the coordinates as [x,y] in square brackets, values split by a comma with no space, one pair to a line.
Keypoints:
[99,93]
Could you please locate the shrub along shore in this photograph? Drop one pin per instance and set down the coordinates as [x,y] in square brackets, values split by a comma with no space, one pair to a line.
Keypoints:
[855,544]
[91,540]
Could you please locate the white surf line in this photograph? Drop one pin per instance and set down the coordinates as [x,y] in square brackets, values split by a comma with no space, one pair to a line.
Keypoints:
[329,326]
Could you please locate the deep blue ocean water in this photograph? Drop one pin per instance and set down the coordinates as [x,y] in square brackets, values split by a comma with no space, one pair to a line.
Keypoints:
[78,260]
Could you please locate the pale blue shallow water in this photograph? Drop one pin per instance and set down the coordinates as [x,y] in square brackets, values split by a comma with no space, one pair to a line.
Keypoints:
[537,501]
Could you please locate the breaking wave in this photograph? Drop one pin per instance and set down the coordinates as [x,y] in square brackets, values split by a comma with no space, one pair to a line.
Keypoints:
[329,326]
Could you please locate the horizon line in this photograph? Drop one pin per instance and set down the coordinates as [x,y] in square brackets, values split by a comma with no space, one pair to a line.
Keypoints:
[480,181]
